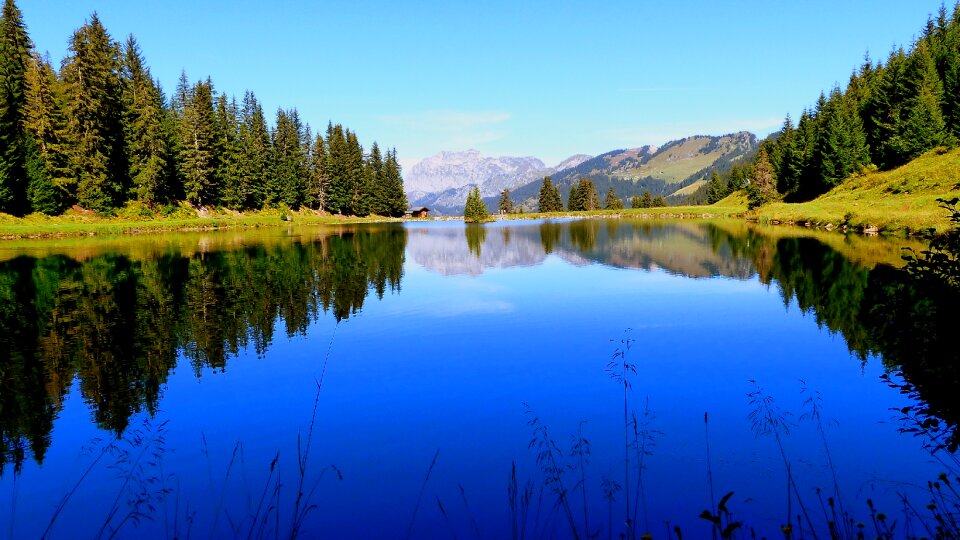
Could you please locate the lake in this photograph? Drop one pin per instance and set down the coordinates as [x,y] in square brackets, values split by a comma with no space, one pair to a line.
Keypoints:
[431,379]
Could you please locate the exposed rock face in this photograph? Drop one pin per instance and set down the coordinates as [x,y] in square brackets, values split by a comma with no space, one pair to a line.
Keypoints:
[442,182]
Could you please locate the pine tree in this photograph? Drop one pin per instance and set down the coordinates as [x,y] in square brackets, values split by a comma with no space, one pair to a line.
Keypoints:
[317,183]
[340,189]
[198,146]
[636,202]
[549,199]
[612,201]
[715,188]
[373,172]
[256,150]
[287,183]
[146,144]
[922,125]
[15,49]
[762,189]
[583,196]
[91,75]
[658,201]
[396,197]
[47,159]
[646,200]
[475,210]
[229,148]
[359,198]
[505,205]
[841,146]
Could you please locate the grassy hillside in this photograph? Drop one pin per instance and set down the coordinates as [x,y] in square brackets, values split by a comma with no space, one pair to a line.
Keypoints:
[661,171]
[675,163]
[899,200]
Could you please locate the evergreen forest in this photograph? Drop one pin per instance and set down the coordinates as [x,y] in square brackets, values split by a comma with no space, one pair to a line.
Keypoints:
[890,112]
[100,133]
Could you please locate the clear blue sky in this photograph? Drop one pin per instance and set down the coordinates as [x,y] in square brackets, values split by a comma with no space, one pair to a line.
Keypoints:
[548,79]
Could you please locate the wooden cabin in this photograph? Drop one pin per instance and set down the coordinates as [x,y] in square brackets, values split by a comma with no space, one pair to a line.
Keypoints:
[420,212]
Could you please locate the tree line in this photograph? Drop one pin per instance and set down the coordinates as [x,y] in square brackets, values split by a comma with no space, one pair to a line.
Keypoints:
[889,113]
[583,197]
[100,133]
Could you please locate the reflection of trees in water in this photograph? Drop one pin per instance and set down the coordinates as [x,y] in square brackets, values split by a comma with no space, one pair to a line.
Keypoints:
[117,324]
[550,236]
[476,235]
[906,315]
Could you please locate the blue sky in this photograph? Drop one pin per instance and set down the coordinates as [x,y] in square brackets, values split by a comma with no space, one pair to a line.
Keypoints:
[548,79]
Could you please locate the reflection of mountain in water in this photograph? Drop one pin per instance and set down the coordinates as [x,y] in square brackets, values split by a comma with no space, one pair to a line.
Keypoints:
[453,250]
[687,249]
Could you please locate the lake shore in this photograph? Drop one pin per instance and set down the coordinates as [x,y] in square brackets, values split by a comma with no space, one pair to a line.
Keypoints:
[918,218]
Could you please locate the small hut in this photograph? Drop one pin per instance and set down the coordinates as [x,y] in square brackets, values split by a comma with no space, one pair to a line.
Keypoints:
[420,212]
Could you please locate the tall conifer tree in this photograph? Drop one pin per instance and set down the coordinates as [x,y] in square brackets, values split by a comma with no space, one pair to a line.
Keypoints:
[47,163]
[15,49]
[198,146]
[146,143]
[94,113]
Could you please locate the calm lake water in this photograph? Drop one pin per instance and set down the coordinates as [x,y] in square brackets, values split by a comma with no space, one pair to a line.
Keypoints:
[170,381]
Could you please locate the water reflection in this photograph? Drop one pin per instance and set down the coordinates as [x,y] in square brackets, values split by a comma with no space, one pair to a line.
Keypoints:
[118,322]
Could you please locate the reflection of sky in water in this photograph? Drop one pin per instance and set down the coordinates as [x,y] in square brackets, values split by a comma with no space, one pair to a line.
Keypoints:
[447,364]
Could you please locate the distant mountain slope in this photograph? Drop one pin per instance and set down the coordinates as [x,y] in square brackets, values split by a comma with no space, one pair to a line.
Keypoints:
[442,182]
[451,170]
[661,171]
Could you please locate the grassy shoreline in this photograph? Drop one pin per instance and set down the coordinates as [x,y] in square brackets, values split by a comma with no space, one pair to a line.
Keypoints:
[76,224]
[902,201]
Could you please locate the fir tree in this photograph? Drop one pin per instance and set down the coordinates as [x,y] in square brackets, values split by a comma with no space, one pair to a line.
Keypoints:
[373,173]
[94,113]
[715,188]
[230,169]
[317,183]
[505,205]
[583,196]
[612,201]
[636,202]
[146,144]
[922,125]
[396,197]
[658,201]
[287,183]
[475,210]
[198,146]
[340,190]
[841,146]
[762,189]
[256,150]
[15,48]
[549,199]
[646,200]
[47,158]
[359,193]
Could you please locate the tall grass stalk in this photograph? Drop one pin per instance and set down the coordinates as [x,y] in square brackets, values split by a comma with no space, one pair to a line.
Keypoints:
[547,459]
[767,419]
[814,402]
[72,491]
[619,369]
[423,488]
[581,450]
[706,440]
